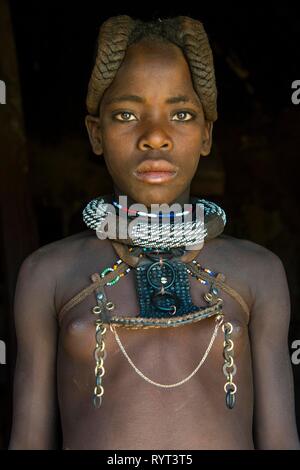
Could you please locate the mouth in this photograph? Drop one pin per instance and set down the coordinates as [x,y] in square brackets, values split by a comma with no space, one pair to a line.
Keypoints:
[155,172]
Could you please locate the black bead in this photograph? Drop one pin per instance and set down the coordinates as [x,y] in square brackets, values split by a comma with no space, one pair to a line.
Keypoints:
[230,399]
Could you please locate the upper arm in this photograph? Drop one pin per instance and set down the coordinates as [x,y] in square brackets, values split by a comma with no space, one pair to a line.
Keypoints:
[35,404]
[274,409]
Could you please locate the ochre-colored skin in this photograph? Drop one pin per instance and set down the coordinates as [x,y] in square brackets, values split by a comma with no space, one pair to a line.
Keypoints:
[56,361]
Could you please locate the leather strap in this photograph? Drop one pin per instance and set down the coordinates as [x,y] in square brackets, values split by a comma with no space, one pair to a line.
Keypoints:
[101,281]
[218,282]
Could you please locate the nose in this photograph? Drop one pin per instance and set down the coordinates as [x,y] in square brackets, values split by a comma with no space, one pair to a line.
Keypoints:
[155,139]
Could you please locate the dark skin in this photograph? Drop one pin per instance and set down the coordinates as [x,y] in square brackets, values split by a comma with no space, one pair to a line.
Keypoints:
[153,130]
[135,414]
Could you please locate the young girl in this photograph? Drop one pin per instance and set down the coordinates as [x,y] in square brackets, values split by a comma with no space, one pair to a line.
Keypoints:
[159,339]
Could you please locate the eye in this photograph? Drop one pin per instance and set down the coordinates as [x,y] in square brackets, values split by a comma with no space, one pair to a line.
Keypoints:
[125,116]
[182,115]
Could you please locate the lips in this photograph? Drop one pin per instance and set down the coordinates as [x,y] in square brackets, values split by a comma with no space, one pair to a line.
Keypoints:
[158,171]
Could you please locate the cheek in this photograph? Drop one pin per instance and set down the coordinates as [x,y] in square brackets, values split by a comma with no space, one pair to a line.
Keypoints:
[116,145]
[115,155]
[189,139]
[188,152]
[191,168]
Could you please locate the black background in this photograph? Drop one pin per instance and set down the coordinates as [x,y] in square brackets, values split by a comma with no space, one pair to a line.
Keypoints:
[256,51]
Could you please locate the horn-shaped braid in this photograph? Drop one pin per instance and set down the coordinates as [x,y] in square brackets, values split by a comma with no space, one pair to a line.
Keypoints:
[119,32]
[190,36]
[112,45]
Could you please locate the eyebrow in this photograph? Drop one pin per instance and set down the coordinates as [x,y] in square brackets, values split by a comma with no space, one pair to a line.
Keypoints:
[139,99]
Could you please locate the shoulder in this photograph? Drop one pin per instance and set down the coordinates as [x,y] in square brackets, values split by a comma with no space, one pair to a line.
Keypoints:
[266,277]
[258,266]
[53,256]
[252,255]
[42,269]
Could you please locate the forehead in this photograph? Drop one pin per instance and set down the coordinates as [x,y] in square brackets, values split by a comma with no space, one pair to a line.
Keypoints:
[153,67]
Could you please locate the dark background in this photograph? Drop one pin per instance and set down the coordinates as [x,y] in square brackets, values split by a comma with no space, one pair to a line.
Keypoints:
[252,172]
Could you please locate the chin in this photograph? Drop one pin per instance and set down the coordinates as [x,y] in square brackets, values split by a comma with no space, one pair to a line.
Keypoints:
[155,196]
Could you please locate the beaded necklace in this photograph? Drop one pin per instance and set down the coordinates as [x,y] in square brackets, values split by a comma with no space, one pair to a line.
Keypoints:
[151,230]
[162,283]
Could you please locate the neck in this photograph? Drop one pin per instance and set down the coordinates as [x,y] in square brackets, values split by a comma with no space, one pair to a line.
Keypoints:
[182,199]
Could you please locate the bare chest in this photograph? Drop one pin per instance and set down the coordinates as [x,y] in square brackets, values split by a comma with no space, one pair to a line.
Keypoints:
[162,356]
[77,332]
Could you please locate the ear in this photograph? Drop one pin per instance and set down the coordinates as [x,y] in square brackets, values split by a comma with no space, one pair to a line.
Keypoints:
[207,138]
[93,127]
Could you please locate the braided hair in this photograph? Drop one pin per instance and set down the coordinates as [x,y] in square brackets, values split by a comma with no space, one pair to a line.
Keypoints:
[119,32]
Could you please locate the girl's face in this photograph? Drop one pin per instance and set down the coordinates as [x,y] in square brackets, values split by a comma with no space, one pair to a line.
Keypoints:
[151,128]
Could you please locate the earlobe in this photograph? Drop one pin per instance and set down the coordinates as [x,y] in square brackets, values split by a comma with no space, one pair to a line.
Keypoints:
[207,138]
[93,127]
